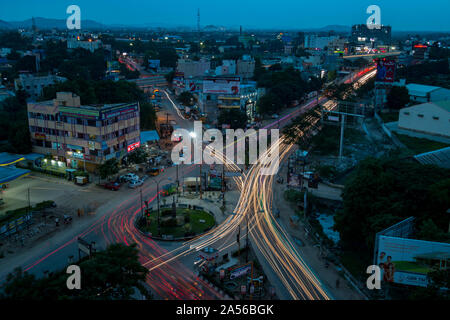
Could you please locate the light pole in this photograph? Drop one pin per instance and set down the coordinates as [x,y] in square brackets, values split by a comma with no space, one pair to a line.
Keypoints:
[194,136]
[157,197]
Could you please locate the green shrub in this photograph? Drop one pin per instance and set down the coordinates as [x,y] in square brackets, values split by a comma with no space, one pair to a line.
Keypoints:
[170,223]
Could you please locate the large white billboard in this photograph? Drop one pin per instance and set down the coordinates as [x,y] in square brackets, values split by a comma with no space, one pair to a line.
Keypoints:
[408,261]
[221,85]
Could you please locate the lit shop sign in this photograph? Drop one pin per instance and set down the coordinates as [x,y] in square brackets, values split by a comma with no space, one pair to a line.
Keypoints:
[78,155]
[134,146]
[39,136]
[119,111]
[240,271]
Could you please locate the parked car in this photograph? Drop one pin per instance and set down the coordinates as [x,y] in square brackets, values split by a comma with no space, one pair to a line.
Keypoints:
[308,175]
[153,171]
[135,183]
[129,177]
[113,186]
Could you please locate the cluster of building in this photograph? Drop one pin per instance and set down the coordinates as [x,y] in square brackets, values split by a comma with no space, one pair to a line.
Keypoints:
[227,86]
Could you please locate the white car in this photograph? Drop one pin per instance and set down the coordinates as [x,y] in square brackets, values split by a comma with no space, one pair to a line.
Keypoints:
[135,183]
[129,177]
[308,175]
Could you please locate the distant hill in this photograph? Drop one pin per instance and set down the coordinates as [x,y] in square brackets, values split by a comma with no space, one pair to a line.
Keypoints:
[44,23]
[335,28]
[5,25]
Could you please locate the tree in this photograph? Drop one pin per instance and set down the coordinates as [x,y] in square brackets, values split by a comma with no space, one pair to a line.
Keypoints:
[148,116]
[137,156]
[14,40]
[112,274]
[186,98]
[19,138]
[270,103]
[14,124]
[437,288]
[108,168]
[236,118]
[26,63]
[382,192]
[169,77]
[428,230]
[398,97]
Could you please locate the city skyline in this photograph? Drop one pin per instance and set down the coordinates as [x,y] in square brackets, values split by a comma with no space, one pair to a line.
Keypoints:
[402,16]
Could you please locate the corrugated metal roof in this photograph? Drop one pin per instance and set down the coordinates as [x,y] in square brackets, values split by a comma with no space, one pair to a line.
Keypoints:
[440,158]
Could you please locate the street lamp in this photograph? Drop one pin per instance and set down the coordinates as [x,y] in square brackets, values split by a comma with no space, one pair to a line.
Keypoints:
[157,196]
[193,135]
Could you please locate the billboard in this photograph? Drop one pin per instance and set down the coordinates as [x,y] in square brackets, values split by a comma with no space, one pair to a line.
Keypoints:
[240,271]
[154,64]
[133,146]
[385,70]
[222,85]
[408,261]
[192,86]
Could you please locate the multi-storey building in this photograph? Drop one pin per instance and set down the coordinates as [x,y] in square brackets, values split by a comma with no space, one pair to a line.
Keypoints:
[83,136]
[90,44]
[33,85]
[362,34]
[191,68]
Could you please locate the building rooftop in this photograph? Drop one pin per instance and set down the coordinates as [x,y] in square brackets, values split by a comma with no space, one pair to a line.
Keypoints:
[7,159]
[10,173]
[420,89]
[443,104]
[440,158]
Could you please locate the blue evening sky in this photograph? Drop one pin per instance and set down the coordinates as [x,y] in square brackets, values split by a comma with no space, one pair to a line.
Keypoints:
[402,15]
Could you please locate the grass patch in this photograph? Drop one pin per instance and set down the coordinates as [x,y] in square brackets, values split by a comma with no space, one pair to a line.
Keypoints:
[420,145]
[326,142]
[186,224]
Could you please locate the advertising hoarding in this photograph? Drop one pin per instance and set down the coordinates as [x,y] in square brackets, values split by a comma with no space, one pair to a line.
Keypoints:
[385,70]
[240,271]
[221,85]
[192,86]
[408,261]
[154,64]
[133,146]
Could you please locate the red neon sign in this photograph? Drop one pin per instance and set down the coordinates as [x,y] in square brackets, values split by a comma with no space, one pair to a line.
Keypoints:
[134,146]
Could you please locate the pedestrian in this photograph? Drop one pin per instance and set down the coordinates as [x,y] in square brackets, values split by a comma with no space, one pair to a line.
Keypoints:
[337,283]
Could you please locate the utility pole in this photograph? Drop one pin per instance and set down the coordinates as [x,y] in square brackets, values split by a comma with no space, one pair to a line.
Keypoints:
[246,242]
[157,196]
[178,184]
[239,240]
[341,144]
[223,184]
[142,210]
[200,182]
[305,202]
[29,202]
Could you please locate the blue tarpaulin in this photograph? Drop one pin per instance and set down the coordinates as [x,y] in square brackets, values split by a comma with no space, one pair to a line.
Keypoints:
[7,159]
[11,173]
[149,136]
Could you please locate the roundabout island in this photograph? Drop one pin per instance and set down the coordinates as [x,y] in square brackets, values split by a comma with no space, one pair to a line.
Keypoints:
[175,223]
